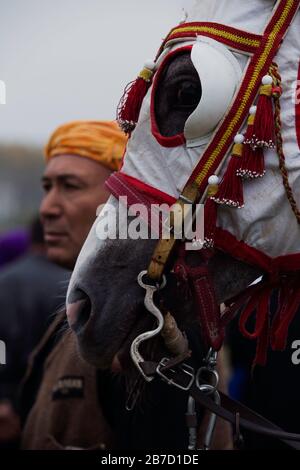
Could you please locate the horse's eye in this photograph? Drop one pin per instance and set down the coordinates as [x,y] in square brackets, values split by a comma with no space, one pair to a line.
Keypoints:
[188,95]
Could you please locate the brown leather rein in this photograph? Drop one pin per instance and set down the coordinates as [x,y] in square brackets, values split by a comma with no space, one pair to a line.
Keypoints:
[183,377]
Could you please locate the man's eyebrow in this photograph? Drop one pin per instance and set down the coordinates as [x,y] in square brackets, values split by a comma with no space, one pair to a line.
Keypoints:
[45,179]
[63,178]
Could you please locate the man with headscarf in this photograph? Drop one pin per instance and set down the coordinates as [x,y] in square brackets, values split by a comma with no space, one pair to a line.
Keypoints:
[80,156]
[60,390]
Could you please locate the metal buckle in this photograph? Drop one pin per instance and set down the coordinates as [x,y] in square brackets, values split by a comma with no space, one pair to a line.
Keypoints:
[186,369]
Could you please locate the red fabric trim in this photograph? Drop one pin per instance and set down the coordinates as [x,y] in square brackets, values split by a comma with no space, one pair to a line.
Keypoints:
[219,136]
[298,108]
[228,29]
[178,139]
[255,300]
[123,157]
[119,187]
[226,242]
[137,192]
[279,12]
[154,193]
[197,282]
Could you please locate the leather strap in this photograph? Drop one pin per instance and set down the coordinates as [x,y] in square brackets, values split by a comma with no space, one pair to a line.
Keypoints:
[229,409]
[164,248]
[248,419]
[205,304]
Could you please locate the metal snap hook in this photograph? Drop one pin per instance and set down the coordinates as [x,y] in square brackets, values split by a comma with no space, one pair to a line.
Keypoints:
[202,379]
[156,286]
[151,307]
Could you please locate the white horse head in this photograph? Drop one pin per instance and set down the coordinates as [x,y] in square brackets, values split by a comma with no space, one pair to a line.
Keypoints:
[200,72]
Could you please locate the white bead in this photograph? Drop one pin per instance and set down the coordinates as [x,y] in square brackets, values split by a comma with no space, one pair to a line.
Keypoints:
[267,80]
[253,110]
[149,64]
[239,139]
[213,179]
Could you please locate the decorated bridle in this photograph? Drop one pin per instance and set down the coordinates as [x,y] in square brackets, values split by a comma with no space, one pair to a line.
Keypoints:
[243,157]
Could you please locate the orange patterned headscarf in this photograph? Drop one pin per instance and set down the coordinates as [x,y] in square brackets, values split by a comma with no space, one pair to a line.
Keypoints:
[101,141]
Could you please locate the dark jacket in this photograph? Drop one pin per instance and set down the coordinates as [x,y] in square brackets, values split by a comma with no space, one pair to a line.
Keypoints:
[31,289]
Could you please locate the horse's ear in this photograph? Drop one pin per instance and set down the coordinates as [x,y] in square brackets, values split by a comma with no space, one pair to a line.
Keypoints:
[131,102]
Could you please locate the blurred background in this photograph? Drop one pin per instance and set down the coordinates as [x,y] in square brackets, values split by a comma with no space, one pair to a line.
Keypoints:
[63,60]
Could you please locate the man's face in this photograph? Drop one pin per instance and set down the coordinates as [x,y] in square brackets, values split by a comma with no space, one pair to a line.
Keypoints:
[74,188]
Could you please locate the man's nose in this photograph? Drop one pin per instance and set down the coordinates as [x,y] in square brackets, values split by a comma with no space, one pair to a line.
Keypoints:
[51,205]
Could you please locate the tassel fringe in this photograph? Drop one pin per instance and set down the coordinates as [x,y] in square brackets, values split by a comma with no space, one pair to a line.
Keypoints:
[264,126]
[253,163]
[231,187]
[131,102]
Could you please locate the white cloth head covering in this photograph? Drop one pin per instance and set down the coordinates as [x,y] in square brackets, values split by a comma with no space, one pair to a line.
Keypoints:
[242,14]
[267,222]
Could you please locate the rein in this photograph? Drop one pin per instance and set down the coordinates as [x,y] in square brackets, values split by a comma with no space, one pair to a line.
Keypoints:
[176,373]
[240,416]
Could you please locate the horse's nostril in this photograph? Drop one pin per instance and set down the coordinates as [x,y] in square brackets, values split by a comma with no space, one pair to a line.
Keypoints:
[75,295]
[79,312]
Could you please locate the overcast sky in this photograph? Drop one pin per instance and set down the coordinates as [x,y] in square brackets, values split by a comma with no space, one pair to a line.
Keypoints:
[70,59]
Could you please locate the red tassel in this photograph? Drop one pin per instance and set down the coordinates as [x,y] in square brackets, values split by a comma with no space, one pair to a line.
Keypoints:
[288,306]
[210,212]
[231,187]
[259,305]
[131,102]
[264,125]
[253,163]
